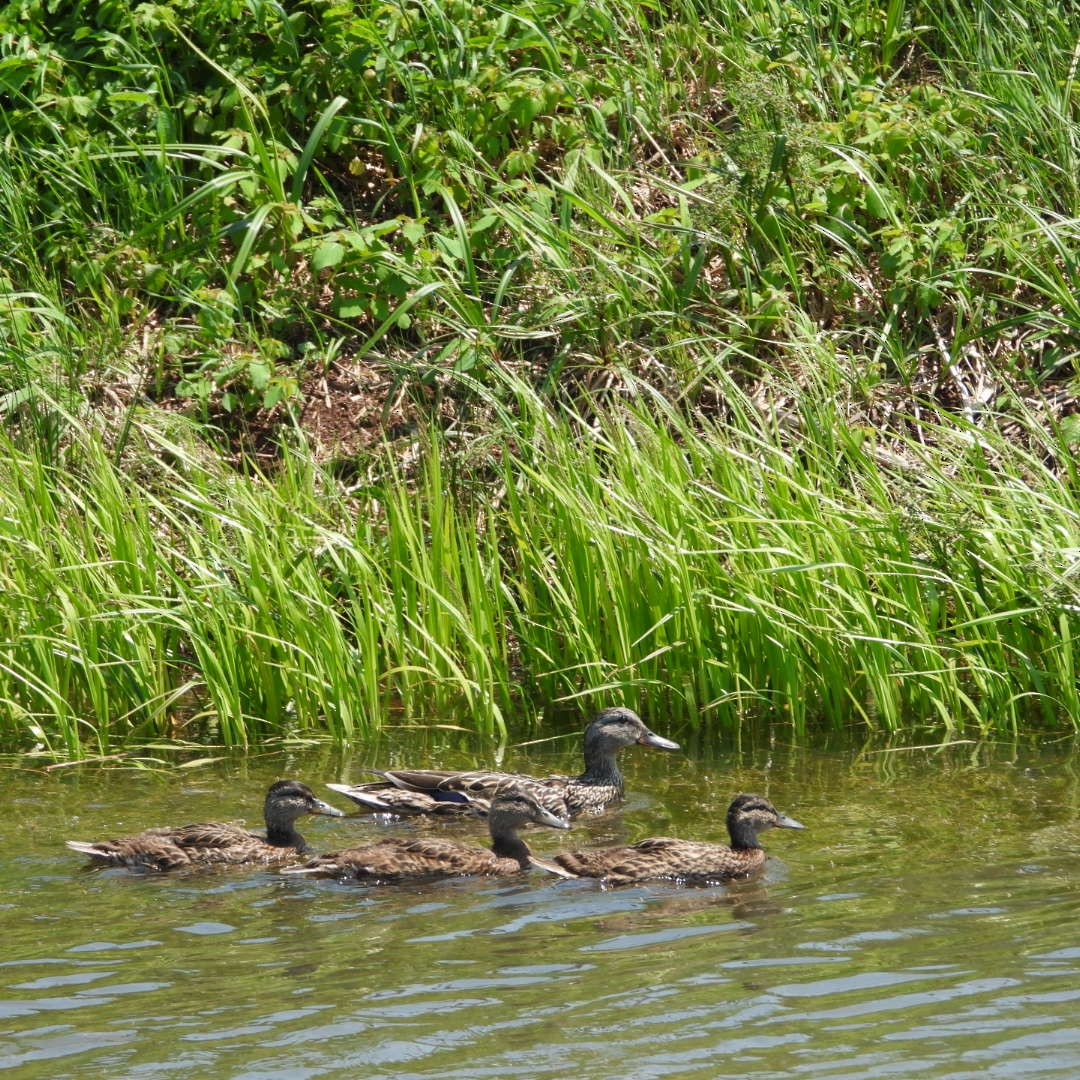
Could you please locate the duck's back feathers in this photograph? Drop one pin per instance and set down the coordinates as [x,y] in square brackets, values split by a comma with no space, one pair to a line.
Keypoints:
[663,858]
[445,794]
[398,859]
[383,798]
[205,844]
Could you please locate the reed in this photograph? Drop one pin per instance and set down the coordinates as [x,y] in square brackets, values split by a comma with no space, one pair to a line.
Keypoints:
[707,572]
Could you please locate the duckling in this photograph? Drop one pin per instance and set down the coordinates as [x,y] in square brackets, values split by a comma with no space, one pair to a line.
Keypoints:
[216,842]
[691,862]
[436,792]
[397,859]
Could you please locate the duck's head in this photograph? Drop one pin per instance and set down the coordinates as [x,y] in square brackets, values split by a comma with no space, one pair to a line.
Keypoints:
[289,799]
[513,809]
[749,815]
[612,729]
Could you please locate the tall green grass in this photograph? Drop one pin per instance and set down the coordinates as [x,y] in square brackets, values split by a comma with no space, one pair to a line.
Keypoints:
[709,572]
[731,571]
[183,599]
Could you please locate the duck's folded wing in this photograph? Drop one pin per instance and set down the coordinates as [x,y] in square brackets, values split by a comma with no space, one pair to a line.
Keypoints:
[154,850]
[395,857]
[433,791]
[207,836]
[550,868]
[662,845]
[406,802]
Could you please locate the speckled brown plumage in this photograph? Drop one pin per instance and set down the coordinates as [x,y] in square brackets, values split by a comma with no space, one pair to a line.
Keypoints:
[447,793]
[398,859]
[691,862]
[216,843]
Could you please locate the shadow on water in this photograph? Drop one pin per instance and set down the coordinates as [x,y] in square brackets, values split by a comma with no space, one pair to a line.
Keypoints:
[923,925]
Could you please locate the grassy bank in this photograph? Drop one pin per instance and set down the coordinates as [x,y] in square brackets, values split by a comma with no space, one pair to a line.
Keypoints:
[708,573]
[440,358]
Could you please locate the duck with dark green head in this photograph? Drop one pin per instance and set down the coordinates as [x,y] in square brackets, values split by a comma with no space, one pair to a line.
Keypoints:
[689,862]
[216,843]
[396,859]
[437,792]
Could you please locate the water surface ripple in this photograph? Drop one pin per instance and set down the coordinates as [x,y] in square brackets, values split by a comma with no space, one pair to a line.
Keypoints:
[923,926]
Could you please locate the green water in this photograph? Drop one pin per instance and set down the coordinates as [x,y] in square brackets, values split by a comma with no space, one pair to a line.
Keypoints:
[924,925]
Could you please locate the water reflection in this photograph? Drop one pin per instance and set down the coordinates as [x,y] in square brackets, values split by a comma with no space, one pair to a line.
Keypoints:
[923,925]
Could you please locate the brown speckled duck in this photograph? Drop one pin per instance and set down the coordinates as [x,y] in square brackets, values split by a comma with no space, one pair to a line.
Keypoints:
[217,843]
[431,791]
[397,859]
[690,862]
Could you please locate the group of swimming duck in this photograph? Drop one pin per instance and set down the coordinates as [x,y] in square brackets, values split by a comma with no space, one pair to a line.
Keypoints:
[508,800]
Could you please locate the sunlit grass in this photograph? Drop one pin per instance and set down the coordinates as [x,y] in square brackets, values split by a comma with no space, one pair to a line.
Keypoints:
[706,572]
[598,173]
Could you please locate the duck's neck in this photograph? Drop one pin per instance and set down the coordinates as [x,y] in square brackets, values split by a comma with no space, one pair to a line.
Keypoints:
[506,844]
[601,766]
[744,837]
[284,834]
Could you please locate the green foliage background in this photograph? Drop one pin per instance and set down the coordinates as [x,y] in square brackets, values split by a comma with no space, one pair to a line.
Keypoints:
[809,270]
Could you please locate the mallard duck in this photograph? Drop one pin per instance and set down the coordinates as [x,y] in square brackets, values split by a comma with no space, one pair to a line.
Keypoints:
[689,861]
[217,842]
[432,791]
[398,858]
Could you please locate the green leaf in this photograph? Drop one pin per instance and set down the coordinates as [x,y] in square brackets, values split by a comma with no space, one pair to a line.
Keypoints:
[413,230]
[352,308]
[328,253]
[1070,429]
[259,374]
[875,204]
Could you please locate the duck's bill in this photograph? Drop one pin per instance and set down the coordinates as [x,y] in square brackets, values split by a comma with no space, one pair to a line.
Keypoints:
[545,817]
[785,822]
[650,738]
[317,806]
